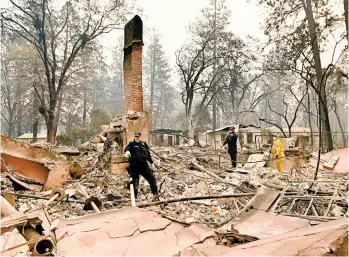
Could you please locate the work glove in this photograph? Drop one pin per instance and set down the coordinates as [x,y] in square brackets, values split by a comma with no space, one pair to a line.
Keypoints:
[152,166]
[127,154]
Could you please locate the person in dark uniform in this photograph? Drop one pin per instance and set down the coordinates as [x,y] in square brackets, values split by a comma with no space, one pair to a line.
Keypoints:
[138,153]
[231,140]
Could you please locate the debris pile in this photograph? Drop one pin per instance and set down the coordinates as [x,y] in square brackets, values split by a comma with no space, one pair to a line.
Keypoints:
[227,198]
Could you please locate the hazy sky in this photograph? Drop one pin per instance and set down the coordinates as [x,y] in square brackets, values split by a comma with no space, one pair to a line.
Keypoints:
[171,17]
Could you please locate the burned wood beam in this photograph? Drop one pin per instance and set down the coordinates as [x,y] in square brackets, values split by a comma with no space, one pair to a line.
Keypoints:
[311,201]
[331,201]
[317,181]
[314,209]
[280,198]
[42,198]
[19,218]
[239,236]
[204,197]
[309,197]
[317,218]
[192,162]
[67,200]
[288,191]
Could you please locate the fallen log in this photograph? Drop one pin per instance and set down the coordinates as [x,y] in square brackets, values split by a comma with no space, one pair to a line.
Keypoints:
[203,197]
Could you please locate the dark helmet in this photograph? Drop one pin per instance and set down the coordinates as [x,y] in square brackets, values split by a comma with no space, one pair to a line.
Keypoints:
[138,134]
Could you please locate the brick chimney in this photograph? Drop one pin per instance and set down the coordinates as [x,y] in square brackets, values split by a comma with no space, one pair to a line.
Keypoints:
[133,43]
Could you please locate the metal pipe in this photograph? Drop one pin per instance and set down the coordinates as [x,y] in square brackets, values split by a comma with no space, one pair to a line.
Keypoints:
[43,247]
[28,232]
[52,199]
[133,200]
[201,197]
[94,206]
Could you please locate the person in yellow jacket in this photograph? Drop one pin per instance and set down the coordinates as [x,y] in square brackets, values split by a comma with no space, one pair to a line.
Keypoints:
[278,154]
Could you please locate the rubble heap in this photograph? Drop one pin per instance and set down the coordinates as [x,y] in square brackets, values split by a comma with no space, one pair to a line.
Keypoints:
[176,177]
[187,172]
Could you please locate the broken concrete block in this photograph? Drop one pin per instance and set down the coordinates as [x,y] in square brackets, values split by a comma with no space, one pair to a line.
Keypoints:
[201,186]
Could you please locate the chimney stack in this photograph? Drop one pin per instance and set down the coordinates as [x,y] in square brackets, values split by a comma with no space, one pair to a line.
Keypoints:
[133,43]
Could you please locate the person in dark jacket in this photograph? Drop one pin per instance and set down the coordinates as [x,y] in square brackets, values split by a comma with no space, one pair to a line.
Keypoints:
[138,153]
[231,140]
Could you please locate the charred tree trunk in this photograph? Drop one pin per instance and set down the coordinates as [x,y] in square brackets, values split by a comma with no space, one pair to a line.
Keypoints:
[339,123]
[58,113]
[346,15]
[321,86]
[233,92]
[289,131]
[35,124]
[84,111]
[11,130]
[163,114]
[51,130]
[50,121]
[214,104]
[35,130]
[309,121]
[19,127]
[190,127]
